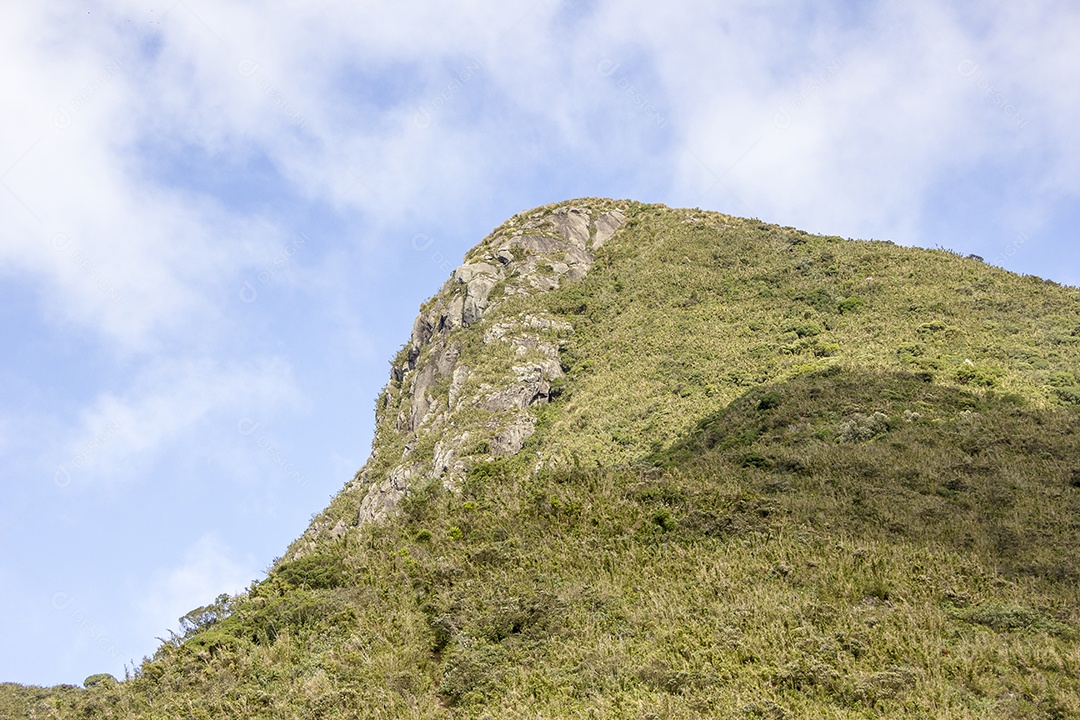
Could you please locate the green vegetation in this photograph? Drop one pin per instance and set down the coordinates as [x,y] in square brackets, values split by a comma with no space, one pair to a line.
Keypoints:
[685,310]
[787,476]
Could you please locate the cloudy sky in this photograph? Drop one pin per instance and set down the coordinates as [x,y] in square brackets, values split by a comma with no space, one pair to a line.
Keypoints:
[219,221]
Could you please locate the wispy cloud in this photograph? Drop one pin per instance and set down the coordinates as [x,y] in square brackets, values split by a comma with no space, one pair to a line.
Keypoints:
[120,436]
[208,569]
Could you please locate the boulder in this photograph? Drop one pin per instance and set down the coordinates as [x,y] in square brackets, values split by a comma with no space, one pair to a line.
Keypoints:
[606,225]
[573,225]
[512,439]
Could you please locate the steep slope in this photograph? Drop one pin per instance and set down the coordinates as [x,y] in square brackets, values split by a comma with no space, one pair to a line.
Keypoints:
[671,318]
[456,393]
[636,461]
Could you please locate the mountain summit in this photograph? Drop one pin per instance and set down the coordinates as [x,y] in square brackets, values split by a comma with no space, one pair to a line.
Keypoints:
[482,362]
[643,462]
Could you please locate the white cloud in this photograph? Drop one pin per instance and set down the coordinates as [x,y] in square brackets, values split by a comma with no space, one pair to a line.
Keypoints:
[209,568]
[848,125]
[129,259]
[169,407]
[877,115]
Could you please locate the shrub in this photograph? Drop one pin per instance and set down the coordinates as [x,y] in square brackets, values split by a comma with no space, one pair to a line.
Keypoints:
[807,330]
[1069,395]
[850,304]
[757,460]
[210,641]
[485,473]
[826,349]
[769,400]
[1007,617]
[480,447]
[203,617]
[314,572]
[977,376]
[263,620]
[419,504]
[99,680]
[470,672]
[1062,379]
[860,427]
[663,520]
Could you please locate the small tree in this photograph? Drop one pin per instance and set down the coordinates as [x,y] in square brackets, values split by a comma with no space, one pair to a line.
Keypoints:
[203,617]
[99,680]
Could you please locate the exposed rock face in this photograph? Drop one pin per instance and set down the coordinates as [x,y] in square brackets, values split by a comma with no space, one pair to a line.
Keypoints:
[443,411]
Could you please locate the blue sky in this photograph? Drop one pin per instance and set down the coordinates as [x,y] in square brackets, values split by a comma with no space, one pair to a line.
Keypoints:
[219,222]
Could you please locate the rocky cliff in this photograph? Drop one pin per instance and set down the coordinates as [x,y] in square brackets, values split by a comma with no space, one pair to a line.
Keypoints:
[452,401]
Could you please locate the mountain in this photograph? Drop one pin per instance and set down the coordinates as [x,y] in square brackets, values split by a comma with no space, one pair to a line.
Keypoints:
[643,462]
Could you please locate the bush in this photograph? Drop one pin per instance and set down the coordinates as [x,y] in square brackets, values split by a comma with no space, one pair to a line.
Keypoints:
[807,330]
[663,520]
[977,376]
[419,504]
[1006,617]
[1069,395]
[769,400]
[203,617]
[1062,379]
[860,427]
[264,619]
[99,680]
[757,460]
[850,304]
[314,572]
[210,641]
[470,672]
[485,473]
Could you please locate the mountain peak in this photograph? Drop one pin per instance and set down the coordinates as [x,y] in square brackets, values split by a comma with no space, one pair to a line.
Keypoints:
[439,408]
[703,305]
[635,460]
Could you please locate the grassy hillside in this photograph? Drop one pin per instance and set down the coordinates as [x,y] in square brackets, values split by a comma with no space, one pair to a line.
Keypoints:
[786,476]
[687,310]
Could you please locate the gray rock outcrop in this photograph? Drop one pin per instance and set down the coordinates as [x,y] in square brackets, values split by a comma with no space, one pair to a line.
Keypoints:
[442,411]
